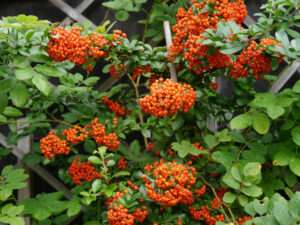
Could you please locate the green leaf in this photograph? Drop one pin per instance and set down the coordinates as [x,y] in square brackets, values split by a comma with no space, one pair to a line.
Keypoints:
[280,211]
[227,159]
[230,181]
[25,74]
[19,95]
[283,158]
[296,87]
[95,160]
[96,185]
[74,206]
[296,135]
[293,34]
[122,15]
[241,121]
[223,136]
[7,84]
[264,99]
[252,169]
[236,172]
[121,173]
[16,221]
[275,111]
[237,137]
[295,166]
[243,200]
[295,205]
[89,146]
[261,123]
[184,148]
[135,148]
[91,81]
[32,158]
[231,47]
[39,58]
[290,178]
[261,208]
[3,101]
[47,70]
[41,84]
[252,190]
[229,197]
[146,133]
[21,61]
[211,140]
[177,124]
[11,111]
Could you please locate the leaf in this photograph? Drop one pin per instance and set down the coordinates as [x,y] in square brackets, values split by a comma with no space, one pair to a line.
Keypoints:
[237,137]
[252,169]
[91,81]
[293,33]
[229,197]
[232,47]
[295,166]
[261,208]
[177,124]
[121,173]
[264,99]
[252,190]
[227,159]
[19,95]
[236,172]
[3,101]
[122,15]
[241,121]
[146,133]
[96,185]
[283,158]
[296,87]
[184,148]
[290,179]
[261,123]
[296,135]
[47,70]
[39,58]
[275,111]
[41,84]
[32,158]
[11,111]
[211,140]
[230,181]
[295,205]
[135,148]
[243,200]
[223,136]
[7,84]
[280,211]
[95,160]
[25,74]
[21,61]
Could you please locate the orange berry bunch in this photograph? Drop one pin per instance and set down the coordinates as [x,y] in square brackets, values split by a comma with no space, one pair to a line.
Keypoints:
[201,191]
[116,72]
[75,134]
[96,48]
[205,214]
[68,45]
[167,97]
[153,78]
[122,163]
[99,134]
[172,183]
[118,214]
[194,22]
[244,220]
[136,72]
[53,145]
[253,58]
[115,107]
[83,171]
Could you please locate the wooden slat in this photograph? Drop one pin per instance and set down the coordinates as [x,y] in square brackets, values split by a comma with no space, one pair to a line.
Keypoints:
[70,11]
[42,172]
[79,9]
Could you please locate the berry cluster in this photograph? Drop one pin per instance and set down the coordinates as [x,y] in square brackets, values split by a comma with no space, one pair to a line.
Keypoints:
[53,145]
[205,213]
[122,163]
[83,171]
[116,72]
[75,134]
[244,220]
[253,58]
[172,183]
[168,98]
[136,72]
[201,191]
[117,214]
[68,45]
[191,25]
[99,134]
[200,148]
[115,107]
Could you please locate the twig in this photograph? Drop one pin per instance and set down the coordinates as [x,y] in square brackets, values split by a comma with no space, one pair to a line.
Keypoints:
[105,17]
[221,202]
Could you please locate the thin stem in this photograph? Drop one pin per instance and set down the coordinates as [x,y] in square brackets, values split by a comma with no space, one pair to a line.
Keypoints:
[221,203]
[137,94]
[98,208]
[147,22]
